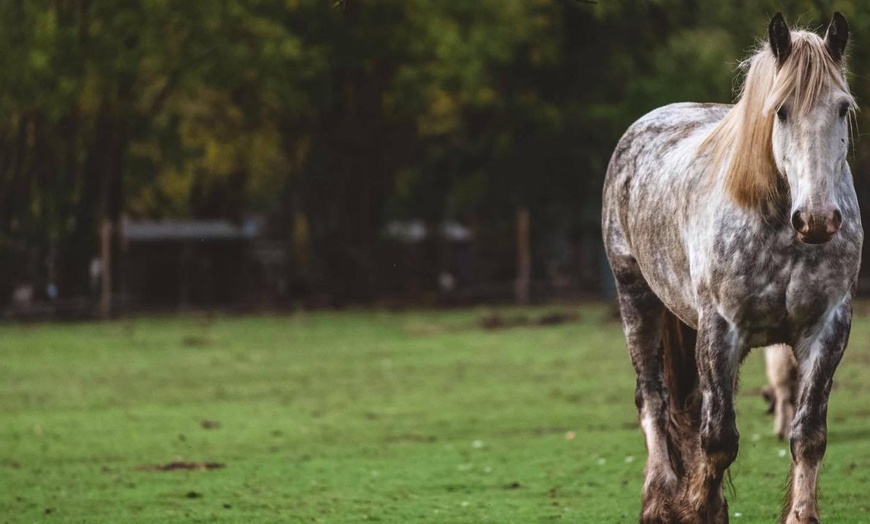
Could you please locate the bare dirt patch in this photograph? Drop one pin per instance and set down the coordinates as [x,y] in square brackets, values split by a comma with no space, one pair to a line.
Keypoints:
[182,466]
[210,424]
[494,321]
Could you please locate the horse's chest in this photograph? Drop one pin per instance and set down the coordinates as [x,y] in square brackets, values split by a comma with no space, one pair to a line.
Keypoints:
[772,301]
[755,302]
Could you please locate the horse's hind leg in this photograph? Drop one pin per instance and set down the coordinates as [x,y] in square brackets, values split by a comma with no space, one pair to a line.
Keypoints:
[642,317]
[781,378]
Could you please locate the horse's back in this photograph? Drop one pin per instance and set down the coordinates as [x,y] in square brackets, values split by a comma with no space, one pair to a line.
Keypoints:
[656,154]
[651,179]
[669,128]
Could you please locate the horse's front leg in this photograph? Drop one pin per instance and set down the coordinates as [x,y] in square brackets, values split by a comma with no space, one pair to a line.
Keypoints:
[718,356]
[818,356]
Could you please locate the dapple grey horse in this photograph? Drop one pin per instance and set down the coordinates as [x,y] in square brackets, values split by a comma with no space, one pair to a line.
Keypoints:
[730,227]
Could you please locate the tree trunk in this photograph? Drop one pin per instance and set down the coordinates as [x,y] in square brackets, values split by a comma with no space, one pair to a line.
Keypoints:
[524,257]
[106,275]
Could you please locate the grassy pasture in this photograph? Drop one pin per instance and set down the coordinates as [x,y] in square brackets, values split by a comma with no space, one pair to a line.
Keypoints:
[365,417]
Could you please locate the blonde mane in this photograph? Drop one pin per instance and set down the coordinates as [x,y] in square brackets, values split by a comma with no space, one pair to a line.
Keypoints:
[743,138]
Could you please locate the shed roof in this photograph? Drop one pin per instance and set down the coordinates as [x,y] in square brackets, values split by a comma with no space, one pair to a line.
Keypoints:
[169,230]
[413,231]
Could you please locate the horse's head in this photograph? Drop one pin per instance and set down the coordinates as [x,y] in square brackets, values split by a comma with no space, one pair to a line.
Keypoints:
[810,136]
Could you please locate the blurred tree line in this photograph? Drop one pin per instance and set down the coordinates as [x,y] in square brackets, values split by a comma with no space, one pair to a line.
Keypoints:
[338,116]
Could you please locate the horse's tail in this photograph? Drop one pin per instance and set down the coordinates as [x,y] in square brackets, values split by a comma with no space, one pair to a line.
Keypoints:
[681,379]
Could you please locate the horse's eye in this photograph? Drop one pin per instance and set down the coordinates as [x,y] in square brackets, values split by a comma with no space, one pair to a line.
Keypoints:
[781,114]
[844,108]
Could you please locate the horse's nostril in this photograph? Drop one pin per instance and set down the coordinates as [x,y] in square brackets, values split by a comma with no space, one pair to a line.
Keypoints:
[797,221]
[816,227]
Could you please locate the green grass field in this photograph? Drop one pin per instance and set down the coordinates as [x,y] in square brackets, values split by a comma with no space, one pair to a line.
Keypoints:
[366,416]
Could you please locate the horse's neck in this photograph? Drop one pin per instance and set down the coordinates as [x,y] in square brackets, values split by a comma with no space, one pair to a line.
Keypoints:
[715,199]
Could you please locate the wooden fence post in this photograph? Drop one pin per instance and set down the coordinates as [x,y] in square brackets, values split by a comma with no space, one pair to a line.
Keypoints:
[524,256]
[106,276]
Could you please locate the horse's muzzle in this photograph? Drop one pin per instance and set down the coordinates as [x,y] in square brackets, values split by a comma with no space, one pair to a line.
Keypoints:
[816,227]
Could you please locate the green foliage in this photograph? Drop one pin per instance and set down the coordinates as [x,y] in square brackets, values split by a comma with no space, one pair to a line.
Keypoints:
[412,417]
[343,114]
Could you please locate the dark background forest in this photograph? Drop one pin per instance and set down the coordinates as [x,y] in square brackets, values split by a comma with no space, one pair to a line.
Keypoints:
[363,150]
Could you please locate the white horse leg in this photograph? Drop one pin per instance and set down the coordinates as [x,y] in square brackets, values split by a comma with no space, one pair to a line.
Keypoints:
[781,378]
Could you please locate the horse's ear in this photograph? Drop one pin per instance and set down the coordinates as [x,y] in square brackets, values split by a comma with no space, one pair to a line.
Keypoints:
[780,38]
[837,36]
